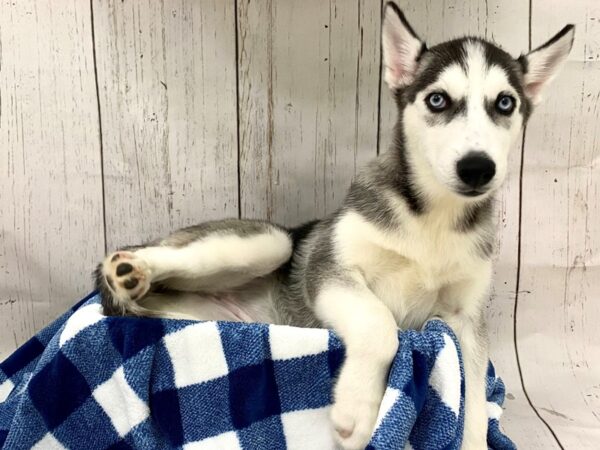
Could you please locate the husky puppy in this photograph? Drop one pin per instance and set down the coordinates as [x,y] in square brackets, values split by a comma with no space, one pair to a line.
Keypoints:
[412,240]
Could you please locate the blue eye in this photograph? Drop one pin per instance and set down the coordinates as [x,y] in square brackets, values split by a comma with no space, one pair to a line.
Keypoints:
[437,101]
[505,104]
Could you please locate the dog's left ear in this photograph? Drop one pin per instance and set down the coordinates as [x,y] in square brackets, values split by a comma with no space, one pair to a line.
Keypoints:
[542,64]
[401,48]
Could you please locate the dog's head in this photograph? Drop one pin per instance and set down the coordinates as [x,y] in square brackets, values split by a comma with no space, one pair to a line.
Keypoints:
[463,103]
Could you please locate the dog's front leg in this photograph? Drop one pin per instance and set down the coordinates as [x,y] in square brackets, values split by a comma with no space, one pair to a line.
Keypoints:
[370,334]
[472,339]
[463,311]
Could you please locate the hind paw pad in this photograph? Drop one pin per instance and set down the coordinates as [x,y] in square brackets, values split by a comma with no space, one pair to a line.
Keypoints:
[127,275]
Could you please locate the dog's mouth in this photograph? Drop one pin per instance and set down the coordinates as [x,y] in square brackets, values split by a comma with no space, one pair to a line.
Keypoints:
[472,192]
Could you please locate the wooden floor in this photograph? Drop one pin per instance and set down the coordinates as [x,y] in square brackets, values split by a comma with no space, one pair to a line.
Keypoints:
[123,119]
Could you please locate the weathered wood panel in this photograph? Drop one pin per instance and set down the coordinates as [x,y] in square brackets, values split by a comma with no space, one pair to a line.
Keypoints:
[558,309]
[167,87]
[50,189]
[309,76]
[308,119]
[506,23]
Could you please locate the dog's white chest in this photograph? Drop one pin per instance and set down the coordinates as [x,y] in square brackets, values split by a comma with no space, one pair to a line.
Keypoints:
[408,273]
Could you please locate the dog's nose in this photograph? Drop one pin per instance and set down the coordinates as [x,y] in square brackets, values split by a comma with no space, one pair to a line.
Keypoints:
[476,169]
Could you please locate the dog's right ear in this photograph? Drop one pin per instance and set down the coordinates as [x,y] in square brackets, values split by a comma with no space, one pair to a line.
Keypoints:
[401,48]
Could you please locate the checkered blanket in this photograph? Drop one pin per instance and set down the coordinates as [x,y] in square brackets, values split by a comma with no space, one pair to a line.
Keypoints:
[89,381]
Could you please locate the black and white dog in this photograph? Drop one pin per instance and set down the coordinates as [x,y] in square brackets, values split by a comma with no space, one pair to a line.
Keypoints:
[412,240]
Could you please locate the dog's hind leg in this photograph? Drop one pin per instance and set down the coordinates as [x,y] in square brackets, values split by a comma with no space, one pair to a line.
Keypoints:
[211,257]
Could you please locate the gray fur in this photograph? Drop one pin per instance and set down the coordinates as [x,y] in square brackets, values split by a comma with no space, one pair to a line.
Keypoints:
[312,263]
[368,195]
[243,228]
[456,109]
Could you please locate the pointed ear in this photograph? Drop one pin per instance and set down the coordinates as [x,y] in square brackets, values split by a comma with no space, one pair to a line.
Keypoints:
[542,64]
[401,48]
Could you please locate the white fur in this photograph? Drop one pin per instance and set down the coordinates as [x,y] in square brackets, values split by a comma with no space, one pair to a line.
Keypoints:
[224,260]
[474,352]
[407,269]
[243,257]
[361,319]
[422,271]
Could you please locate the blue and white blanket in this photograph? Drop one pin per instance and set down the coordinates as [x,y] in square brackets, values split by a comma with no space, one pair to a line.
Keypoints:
[94,382]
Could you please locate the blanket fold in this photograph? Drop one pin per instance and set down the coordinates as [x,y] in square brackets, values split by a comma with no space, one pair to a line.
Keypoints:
[93,382]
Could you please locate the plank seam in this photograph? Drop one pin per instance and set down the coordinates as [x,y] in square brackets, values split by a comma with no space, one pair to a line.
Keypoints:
[99,124]
[377,143]
[237,110]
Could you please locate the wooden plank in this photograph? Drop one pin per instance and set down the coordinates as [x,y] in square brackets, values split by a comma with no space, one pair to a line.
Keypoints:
[167,82]
[309,74]
[51,230]
[558,309]
[506,23]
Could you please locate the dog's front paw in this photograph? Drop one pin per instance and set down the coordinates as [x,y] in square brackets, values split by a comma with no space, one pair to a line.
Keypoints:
[474,445]
[127,276]
[353,422]
[354,414]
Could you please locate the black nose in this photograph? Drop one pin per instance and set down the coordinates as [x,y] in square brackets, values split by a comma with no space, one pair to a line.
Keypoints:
[476,169]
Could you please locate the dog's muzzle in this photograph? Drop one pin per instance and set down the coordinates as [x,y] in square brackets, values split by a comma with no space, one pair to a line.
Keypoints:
[475,170]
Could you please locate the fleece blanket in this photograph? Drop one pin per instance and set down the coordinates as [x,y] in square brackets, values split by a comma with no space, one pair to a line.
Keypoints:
[94,382]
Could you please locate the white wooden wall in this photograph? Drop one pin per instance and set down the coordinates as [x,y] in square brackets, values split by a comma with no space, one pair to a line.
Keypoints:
[123,119]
